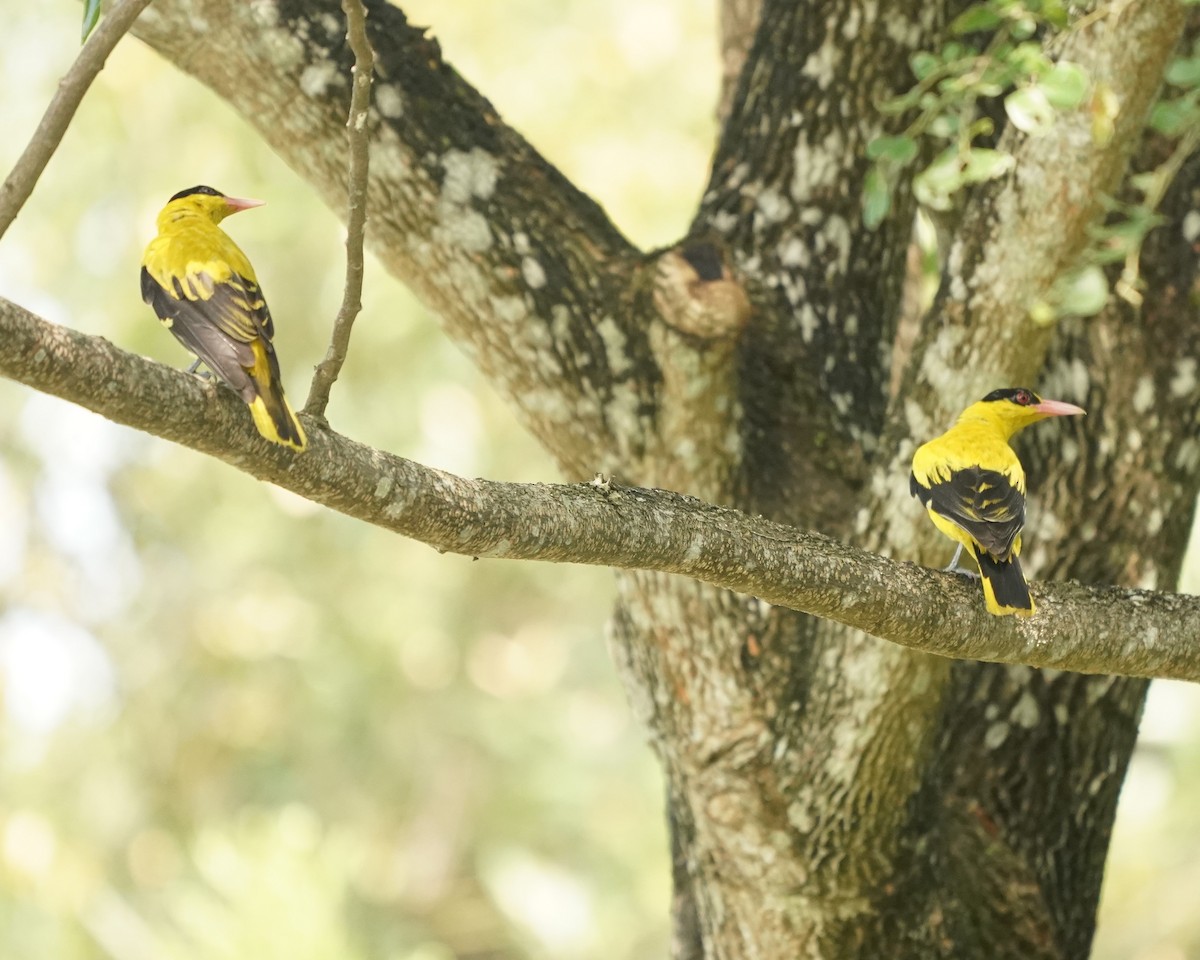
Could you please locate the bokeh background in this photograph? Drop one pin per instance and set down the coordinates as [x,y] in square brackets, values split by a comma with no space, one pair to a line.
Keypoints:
[234,724]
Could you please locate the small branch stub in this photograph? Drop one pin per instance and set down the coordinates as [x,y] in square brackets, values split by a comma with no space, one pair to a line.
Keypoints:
[696,294]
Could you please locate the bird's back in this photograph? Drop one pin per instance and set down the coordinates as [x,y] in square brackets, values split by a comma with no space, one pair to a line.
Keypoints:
[968,444]
[193,245]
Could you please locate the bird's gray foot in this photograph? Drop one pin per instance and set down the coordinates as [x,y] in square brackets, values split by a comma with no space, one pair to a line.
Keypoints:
[953,566]
[195,368]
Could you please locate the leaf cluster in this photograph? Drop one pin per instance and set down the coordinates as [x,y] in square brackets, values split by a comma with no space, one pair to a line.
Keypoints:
[1121,237]
[996,51]
[999,50]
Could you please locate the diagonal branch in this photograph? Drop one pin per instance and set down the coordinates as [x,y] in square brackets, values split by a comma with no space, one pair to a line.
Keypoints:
[1091,629]
[71,89]
[522,268]
[358,140]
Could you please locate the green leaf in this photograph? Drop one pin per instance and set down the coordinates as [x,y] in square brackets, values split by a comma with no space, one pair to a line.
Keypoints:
[91,17]
[1055,13]
[1065,86]
[981,16]
[1184,72]
[1024,27]
[1028,59]
[1172,117]
[981,164]
[1082,293]
[923,64]
[1144,182]
[898,150]
[935,185]
[954,51]
[877,198]
[944,125]
[1029,110]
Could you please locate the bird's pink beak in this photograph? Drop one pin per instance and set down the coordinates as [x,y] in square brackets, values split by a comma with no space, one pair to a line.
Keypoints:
[1056,408]
[239,203]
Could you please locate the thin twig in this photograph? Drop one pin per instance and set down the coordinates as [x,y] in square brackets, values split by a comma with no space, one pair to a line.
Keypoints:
[358,137]
[28,169]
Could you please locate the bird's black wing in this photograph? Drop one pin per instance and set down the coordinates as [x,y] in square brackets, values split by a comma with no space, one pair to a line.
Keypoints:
[985,503]
[203,327]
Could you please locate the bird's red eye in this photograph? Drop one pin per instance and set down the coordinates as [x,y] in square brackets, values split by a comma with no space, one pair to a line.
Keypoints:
[1024,399]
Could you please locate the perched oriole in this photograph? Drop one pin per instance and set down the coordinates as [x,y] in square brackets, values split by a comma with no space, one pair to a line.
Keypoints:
[973,485]
[203,288]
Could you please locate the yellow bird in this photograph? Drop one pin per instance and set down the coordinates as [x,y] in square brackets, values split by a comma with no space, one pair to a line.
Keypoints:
[203,288]
[973,485]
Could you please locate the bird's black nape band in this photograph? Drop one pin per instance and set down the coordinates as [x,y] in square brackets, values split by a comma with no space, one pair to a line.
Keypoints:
[1022,396]
[190,191]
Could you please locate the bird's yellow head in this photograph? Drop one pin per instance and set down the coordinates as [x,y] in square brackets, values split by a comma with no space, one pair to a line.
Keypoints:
[1015,408]
[204,202]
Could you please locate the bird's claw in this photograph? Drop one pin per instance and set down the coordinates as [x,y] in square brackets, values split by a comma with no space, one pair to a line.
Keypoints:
[953,567]
[196,371]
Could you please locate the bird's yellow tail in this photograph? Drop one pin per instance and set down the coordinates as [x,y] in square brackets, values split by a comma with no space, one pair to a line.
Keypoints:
[275,419]
[1004,588]
[273,415]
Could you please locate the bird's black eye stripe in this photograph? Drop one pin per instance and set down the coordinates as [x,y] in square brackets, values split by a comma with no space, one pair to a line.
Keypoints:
[191,191]
[1018,395]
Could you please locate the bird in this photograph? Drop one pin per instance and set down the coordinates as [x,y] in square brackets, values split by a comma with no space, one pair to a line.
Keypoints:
[203,288]
[973,486]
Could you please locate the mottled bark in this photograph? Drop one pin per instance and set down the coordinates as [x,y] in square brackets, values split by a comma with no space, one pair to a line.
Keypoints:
[829,795]
[785,198]
[739,24]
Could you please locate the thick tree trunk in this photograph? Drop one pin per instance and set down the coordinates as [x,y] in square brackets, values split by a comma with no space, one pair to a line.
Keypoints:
[829,795]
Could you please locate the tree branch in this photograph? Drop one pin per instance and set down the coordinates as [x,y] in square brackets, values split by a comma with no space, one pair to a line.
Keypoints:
[522,268]
[358,140]
[24,176]
[1089,629]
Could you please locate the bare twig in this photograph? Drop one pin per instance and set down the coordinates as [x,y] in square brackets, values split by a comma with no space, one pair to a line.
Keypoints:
[1084,628]
[358,137]
[28,169]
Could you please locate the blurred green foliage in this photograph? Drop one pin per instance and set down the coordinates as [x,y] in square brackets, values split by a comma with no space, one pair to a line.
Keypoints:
[237,725]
